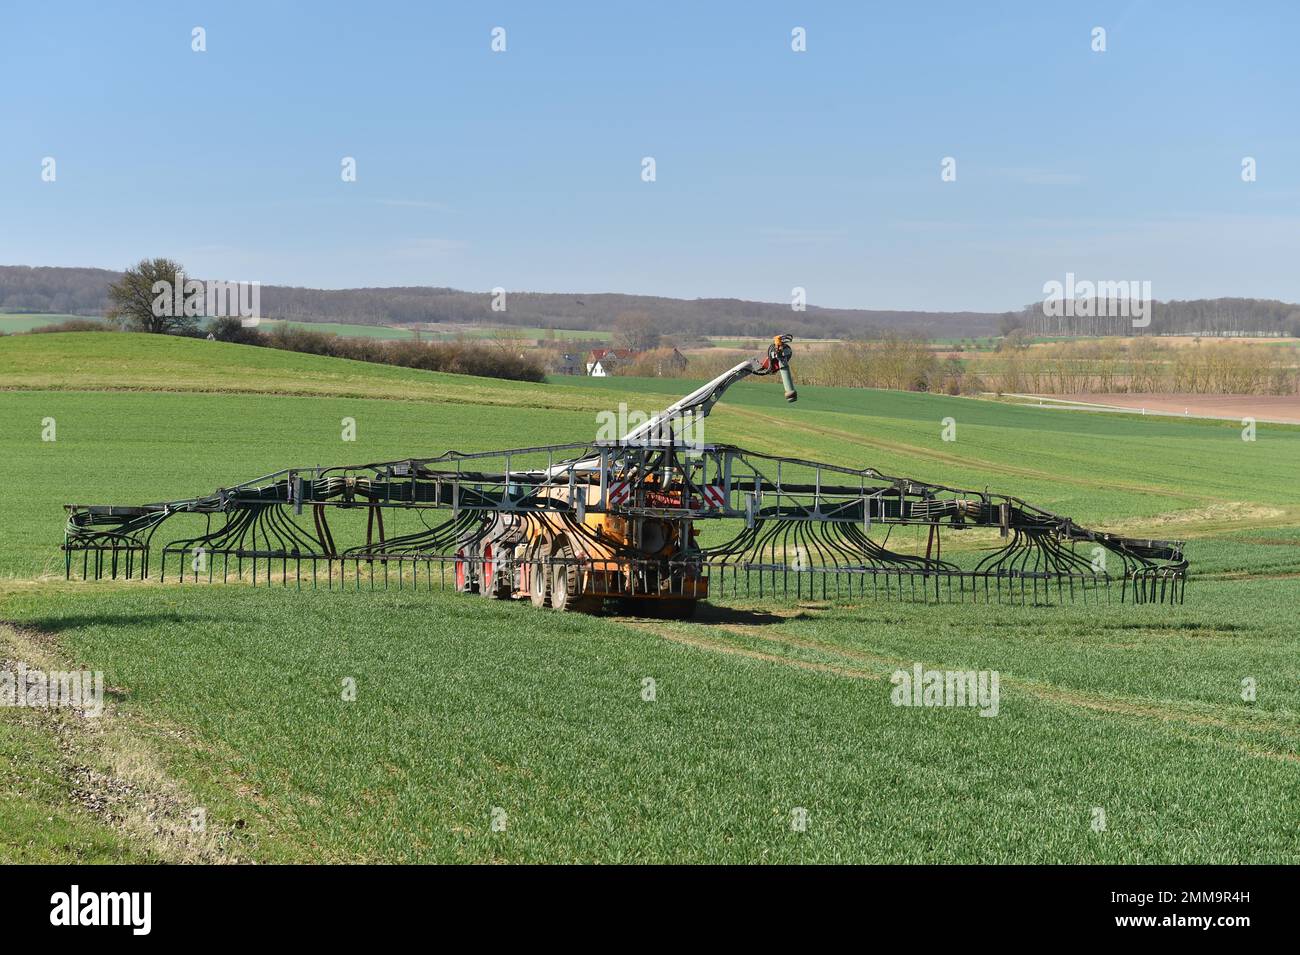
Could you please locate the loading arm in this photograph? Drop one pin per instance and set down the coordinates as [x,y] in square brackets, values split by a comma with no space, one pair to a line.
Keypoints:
[700,402]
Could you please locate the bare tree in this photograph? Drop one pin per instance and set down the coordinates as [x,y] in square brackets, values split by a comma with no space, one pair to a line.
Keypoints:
[637,331]
[145,298]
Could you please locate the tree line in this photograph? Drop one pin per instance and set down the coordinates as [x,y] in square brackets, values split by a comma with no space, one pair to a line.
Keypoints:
[135,305]
[81,291]
[1141,365]
[484,359]
[85,292]
[1217,316]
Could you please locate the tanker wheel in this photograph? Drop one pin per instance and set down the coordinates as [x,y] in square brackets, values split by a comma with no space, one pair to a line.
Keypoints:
[538,582]
[566,584]
[462,573]
[490,584]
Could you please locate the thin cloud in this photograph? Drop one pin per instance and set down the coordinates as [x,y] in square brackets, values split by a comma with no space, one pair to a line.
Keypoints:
[414,204]
[1044,177]
[800,236]
[428,248]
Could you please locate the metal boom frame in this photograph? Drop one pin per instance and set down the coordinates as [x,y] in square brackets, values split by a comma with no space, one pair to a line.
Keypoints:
[776,526]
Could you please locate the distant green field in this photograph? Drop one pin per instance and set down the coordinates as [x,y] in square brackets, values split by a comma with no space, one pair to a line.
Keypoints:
[25,322]
[465,706]
[392,332]
[341,328]
[526,331]
[11,323]
[733,341]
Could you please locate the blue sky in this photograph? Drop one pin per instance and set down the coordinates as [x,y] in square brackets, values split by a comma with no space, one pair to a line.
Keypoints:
[774,169]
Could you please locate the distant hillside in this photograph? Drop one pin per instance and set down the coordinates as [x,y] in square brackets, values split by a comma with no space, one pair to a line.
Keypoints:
[84,292]
[55,290]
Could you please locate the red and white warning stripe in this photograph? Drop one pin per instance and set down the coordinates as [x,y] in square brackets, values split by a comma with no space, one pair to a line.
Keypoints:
[619,492]
[713,496]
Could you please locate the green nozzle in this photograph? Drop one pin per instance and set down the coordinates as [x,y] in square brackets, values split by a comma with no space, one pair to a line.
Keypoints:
[788,382]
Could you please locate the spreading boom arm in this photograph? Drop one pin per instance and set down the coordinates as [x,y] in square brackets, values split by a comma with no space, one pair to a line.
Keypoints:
[700,402]
[570,526]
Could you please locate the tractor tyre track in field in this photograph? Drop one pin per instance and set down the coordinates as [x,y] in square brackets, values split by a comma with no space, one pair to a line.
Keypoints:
[216,390]
[111,770]
[1171,716]
[953,460]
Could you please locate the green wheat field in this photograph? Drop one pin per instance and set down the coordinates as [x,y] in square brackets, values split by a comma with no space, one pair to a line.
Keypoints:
[494,732]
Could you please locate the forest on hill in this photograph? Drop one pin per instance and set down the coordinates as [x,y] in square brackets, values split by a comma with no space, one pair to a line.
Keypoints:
[78,291]
[84,291]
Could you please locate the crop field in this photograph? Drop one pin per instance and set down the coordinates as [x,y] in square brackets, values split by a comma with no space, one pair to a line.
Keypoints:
[10,323]
[485,731]
[341,328]
[519,331]
[437,332]
[13,322]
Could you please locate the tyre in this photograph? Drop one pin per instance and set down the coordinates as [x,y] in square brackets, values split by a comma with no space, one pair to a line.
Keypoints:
[566,584]
[538,578]
[490,582]
[462,573]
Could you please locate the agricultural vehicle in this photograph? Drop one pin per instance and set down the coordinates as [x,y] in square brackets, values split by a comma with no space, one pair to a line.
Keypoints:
[650,523]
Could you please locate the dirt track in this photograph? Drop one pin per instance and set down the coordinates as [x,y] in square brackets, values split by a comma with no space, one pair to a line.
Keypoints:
[1284,408]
